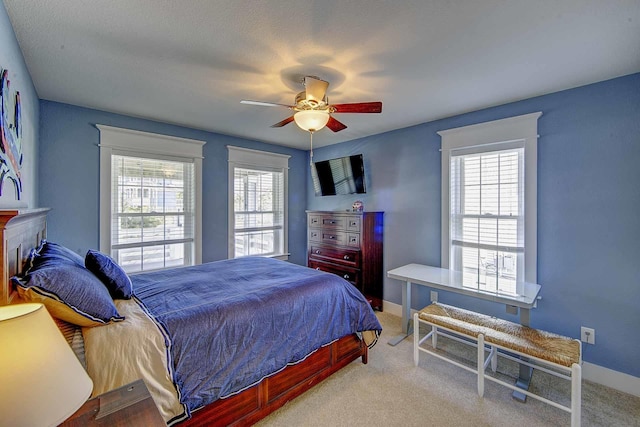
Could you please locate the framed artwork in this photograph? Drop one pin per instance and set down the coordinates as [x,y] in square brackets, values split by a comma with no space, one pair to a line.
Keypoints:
[10,136]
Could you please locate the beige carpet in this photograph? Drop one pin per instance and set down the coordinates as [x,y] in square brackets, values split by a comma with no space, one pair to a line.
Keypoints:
[391,391]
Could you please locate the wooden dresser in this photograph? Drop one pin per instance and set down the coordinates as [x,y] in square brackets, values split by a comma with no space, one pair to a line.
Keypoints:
[349,244]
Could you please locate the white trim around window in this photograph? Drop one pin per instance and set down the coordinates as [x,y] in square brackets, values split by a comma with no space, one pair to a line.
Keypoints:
[520,130]
[245,158]
[127,142]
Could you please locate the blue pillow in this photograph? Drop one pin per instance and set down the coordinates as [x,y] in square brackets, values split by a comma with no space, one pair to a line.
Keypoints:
[109,273]
[70,292]
[49,252]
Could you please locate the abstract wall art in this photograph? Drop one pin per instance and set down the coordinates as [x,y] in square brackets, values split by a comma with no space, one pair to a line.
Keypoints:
[10,136]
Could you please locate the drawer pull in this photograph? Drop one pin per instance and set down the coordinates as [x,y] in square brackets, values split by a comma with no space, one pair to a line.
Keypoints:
[332,237]
[317,251]
[346,276]
[331,222]
[346,257]
[353,223]
[353,239]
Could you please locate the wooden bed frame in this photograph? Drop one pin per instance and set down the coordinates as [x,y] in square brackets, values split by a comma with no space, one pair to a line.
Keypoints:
[255,403]
[23,229]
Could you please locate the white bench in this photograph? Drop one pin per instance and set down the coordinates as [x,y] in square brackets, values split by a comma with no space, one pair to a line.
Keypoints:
[542,350]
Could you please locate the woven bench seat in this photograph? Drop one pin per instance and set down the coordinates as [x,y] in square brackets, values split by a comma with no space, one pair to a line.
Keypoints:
[533,342]
[540,349]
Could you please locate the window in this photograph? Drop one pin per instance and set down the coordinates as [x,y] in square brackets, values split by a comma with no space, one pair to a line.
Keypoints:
[152,213]
[150,199]
[489,203]
[257,203]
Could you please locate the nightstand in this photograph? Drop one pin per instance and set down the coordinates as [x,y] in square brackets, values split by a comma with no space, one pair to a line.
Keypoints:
[130,405]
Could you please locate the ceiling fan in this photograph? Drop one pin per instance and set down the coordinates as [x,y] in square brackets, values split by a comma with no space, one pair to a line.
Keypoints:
[312,108]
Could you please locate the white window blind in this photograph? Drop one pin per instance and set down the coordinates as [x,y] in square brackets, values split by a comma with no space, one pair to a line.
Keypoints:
[487,218]
[153,212]
[258,203]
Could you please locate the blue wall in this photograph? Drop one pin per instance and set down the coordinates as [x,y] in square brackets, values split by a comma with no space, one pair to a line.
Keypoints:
[588,210]
[588,196]
[69,178]
[11,59]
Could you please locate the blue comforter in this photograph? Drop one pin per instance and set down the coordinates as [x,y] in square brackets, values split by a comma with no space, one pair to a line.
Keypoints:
[231,323]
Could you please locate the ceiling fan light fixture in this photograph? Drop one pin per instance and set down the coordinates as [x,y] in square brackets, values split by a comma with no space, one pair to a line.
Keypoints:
[312,108]
[311,120]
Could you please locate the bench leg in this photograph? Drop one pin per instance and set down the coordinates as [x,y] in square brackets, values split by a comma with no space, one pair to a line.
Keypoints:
[416,339]
[434,336]
[576,394]
[481,365]
[494,358]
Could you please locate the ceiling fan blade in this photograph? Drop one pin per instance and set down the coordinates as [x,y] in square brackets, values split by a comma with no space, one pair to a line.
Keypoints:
[315,88]
[358,107]
[335,125]
[282,123]
[264,104]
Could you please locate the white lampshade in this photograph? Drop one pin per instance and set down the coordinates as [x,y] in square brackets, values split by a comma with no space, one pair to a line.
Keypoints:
[42,383]
[311,120]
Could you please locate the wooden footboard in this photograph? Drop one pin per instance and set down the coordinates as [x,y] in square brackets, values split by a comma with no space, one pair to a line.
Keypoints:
[257,402]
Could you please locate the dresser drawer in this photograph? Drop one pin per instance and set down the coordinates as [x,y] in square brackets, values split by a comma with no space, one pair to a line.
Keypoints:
[315,220]
[334,222]
[315,235]
[353,240]
[337,222]
[331,237]
[336,255]
[349,274]
[353,223]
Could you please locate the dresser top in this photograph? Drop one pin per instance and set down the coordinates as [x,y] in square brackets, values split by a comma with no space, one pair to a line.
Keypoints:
[346,211]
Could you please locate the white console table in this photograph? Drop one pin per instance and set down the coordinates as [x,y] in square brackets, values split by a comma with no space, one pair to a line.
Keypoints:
[524,299]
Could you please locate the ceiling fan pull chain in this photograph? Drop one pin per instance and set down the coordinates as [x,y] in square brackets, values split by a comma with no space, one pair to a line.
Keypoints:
[311,152]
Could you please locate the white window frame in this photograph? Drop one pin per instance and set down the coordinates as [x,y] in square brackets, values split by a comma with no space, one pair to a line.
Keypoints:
[135,143]
[485,137]
[256,159]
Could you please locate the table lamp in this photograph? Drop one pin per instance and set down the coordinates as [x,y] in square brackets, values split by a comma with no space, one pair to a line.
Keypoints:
[42,383]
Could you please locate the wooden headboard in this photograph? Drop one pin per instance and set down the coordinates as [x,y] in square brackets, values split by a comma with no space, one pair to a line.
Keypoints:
[21,230]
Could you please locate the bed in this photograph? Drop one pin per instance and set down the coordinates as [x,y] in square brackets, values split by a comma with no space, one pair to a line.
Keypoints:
[263,354]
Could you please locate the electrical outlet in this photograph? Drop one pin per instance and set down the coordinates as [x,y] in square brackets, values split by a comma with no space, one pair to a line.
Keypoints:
[434,296]
[588,335]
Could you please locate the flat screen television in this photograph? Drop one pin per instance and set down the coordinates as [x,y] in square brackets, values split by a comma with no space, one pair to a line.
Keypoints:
[344,175]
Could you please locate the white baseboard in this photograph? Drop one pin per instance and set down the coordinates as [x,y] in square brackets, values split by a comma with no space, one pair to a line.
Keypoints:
[608,377]
[392,308]
[595,373]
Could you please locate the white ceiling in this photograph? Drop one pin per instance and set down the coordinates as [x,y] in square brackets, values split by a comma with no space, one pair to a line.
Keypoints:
[190,62]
